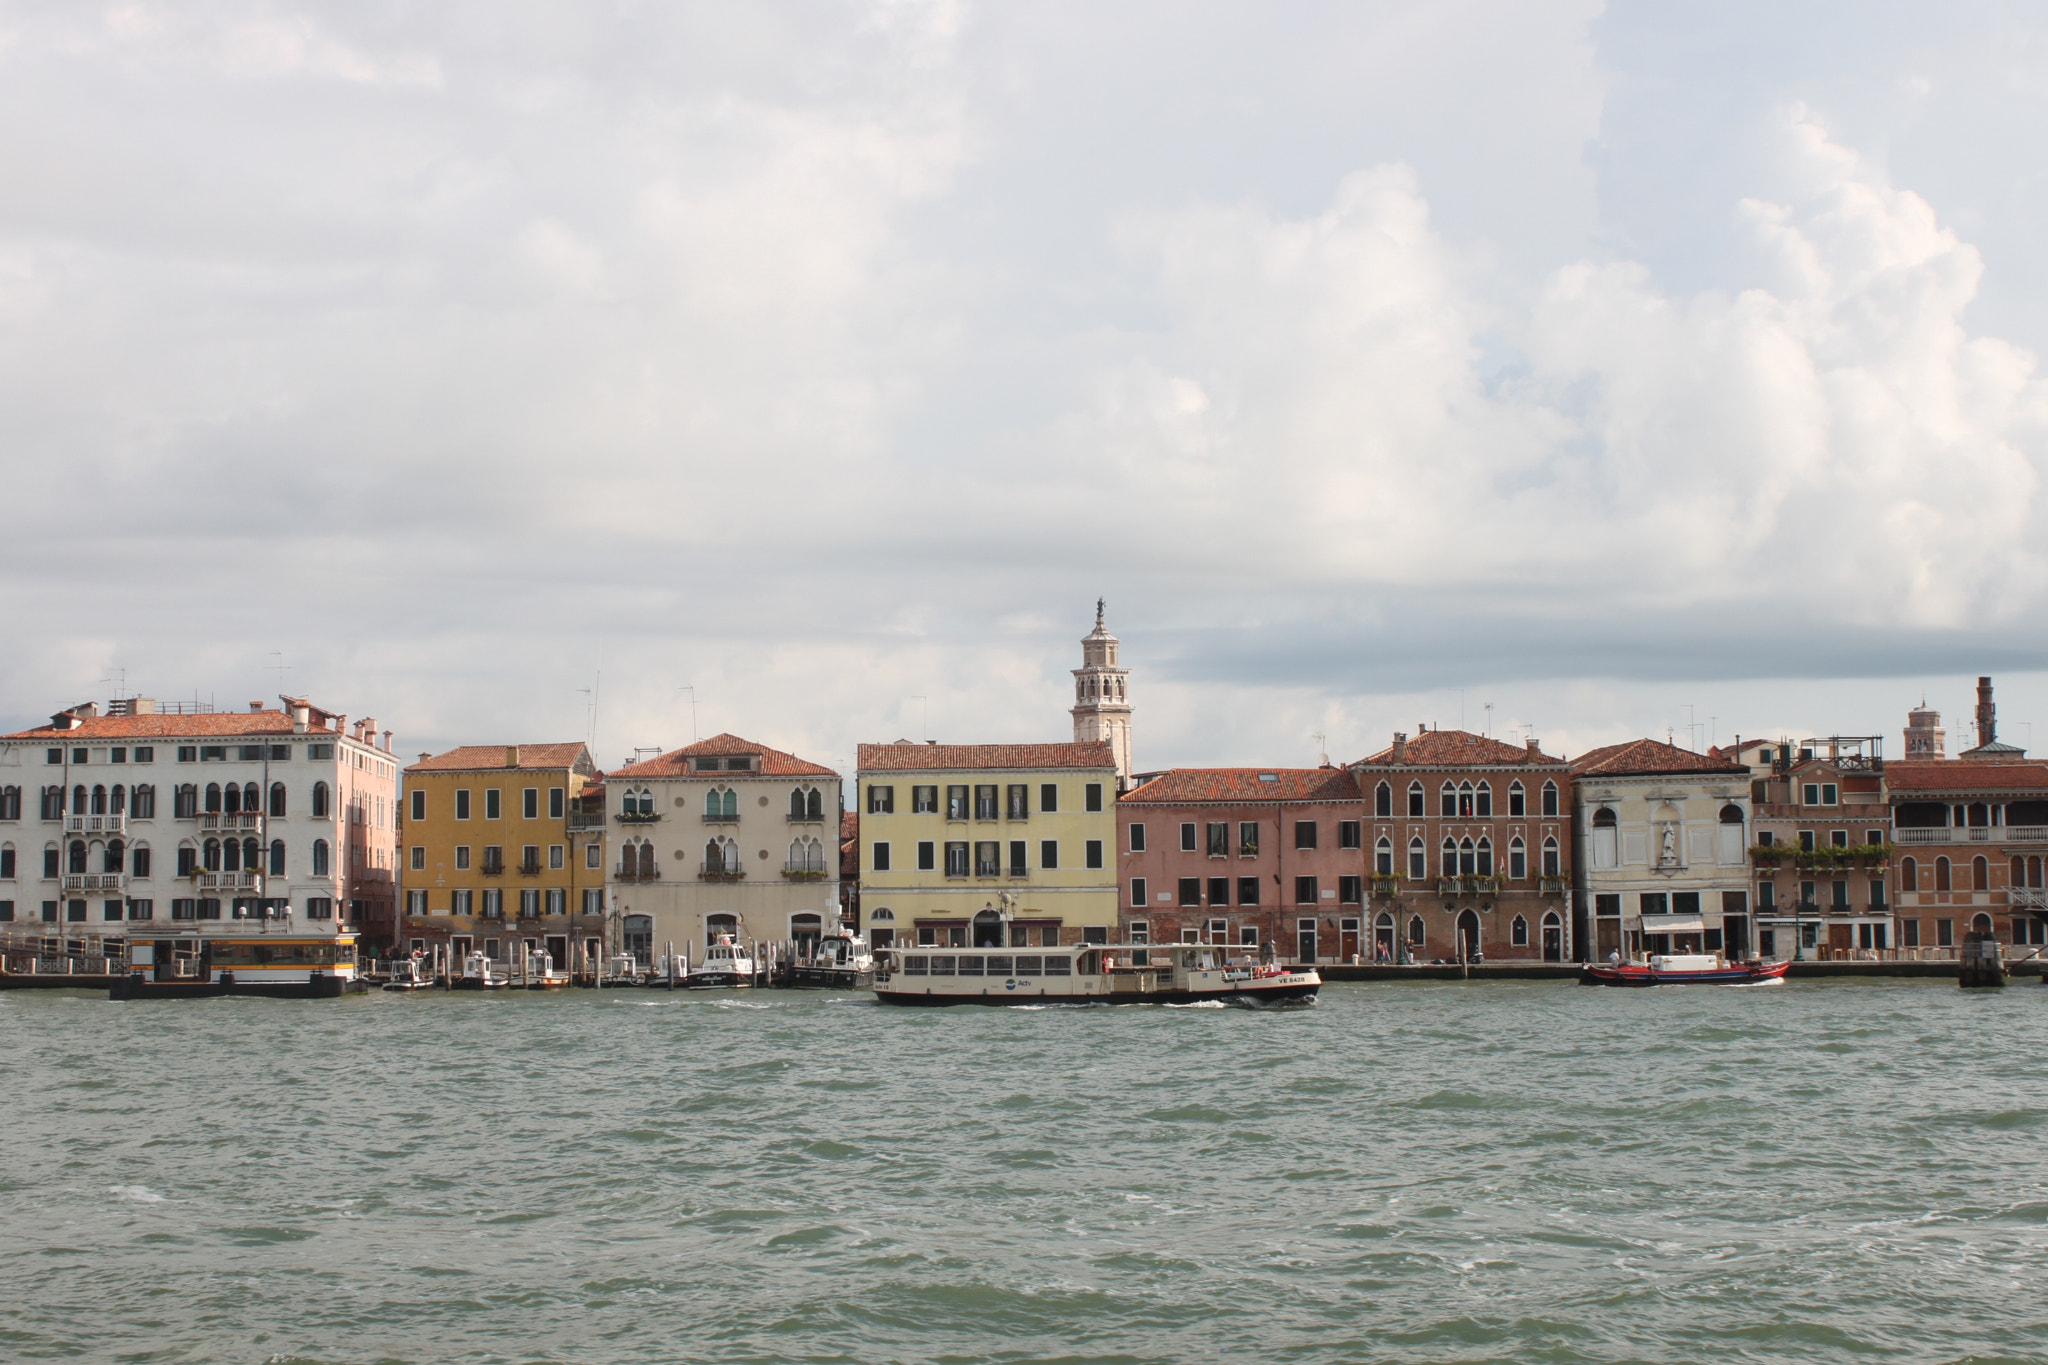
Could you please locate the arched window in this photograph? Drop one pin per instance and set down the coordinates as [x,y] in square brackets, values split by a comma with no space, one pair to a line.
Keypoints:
[277,857]
[277,799]
[1383,857]
[1731,814]
[2019,872]
[319,800]
[138,858]
[716,926]
[1549,798]
[99,800]
[1603,818]
[113,859]
[233,804]
[252,799]
[1518,932]
[119,804]
[1980,873]
[231,856]
[210,854]
[1449,803]
[1415,798]
[1518,859]
[213,798]
[1417,860]
[78,800]
[1485,867]
[76,862]
[1450,858]
[1482,797]
[1981,924]
[796,803]
[1466,863]
[1383,801]
[1550,862]
[1941,878]
[1415,930]
[714,856]
[647,861]
[1909,875]
[1518,800]
[882,915]
[319,857]
[806,855]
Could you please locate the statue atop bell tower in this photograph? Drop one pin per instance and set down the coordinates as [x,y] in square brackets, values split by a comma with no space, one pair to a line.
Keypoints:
[1102,703]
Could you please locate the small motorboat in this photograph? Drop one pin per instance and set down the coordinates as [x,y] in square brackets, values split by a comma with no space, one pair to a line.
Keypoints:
[837,961]
[542,975]
[725,964]
[480,973]
[409,974]
[1683,969]
[621,970]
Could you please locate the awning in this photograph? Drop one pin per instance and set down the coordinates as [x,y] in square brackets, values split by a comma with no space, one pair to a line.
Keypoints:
[1673,924]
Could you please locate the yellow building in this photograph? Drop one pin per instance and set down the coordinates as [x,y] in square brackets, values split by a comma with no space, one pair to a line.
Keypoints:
[496,852]
[988,845]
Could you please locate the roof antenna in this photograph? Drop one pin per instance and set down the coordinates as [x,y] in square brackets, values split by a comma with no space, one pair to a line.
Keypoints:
[282,668]
[1322,747]
[926,736]
[691,688]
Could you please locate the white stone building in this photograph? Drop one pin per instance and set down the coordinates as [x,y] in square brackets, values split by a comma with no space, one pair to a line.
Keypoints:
[722,836]
[1661,849]
[148,812]
[1102,700]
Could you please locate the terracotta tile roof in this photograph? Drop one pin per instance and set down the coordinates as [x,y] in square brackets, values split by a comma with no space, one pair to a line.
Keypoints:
[905,757]
[1241,785]
[1459,748]
[1650,758]
[491,758]
[213,725]
[1905,776]
[676,762]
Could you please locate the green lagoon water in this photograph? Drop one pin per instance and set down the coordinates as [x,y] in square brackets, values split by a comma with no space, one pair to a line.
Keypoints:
[1429,1172]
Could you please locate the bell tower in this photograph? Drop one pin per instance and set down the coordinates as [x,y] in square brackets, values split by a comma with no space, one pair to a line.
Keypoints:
[1102,702]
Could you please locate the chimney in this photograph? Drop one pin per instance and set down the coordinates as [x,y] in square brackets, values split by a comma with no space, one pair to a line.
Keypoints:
[1400,747]
[387,741]
[1535,750]
[1987,714]
[142,706]
[254,707]
[425,757]
[302,718]
[511,755]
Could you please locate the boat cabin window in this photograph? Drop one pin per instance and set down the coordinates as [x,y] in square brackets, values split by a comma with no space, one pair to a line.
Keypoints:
[1061,965]
[1030,966]
[1000,966]
[970,964]
[917,964]
[942,966]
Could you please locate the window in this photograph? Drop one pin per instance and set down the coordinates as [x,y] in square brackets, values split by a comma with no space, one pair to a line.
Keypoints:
[1518,859]
[881,800]
[880,859]
[1049,797]
[55,757]
[319,857]
[1550,799]
[1483,857]
[1049,854]
[1219,890]
[1418,861]
[956,803]
[1482,800]
[1877,893]
[529,803]
[1806,841]
[1091,853]
[924,800]
[419,805]
[1517,800]
[529,858]
[988,858]
[462,857]
[1980,874]
[1137,838]
[1017,867]
[1518,932]
[1218,835]
[1138,891]
[1550,857]
[1415,800]
[1941,877]
[1383,857]
[461,802]
[1304,834]
[7,863]
[1248,839]
[1141,931]
[1017,800]
[1351,890]
[1305,891]
[1187,836]
[1190,890]
[927,856]
[1838,838]
[188,862]
[419,858]
[985,801]
[956,858]
[494,807]
[1350,834]
[1654,903]
[1383,801]
[555,859]
[593,854]
[1247,891]
[1449,803]
[1091,796]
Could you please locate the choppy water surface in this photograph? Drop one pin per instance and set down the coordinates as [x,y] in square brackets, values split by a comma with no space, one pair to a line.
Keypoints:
[1400,1172]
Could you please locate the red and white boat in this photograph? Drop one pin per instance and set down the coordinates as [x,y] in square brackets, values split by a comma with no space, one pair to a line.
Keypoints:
[1685,969]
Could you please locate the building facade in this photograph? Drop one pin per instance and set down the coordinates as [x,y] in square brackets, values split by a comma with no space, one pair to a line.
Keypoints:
[1255,858]
[496,859]
[148,812]
[1821,849]
[724,836]
[1469,842]
[988,845]
[1662,837]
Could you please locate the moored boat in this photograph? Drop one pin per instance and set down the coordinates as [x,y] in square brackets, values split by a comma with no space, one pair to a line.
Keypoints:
[409,974]
[725,963]
[480,973]
[1683,969]
[836,961]
[245,957]
[1178,974]
[622,970]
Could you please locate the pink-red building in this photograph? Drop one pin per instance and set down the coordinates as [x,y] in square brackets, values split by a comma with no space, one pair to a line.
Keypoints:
[1245,856]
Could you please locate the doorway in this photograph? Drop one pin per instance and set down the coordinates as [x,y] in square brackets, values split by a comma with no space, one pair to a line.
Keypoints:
[558,952]
[1305,940]
[1553,938]
[804,932]
[1347,940]
[1468,936]
[1383,938]
[988,929]
[638,937]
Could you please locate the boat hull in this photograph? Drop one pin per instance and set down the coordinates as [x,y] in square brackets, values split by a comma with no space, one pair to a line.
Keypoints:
[1628,974]
[1280,991]
[830,978]
[320,986]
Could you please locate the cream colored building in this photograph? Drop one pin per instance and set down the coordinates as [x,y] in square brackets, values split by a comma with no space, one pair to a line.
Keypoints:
[722,836]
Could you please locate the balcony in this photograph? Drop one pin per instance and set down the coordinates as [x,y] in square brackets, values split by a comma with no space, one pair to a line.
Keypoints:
[639,817]
[95,881]
[804,872]
[531,869]
[492,867]
[712,818]
[720,872]
[230,822]
[230,881]
[584,821]
[96,824]
[2027,898]
[1974,834]
[633,874]
[794,819]
[1553,886]
[1467,884]
[1385,886]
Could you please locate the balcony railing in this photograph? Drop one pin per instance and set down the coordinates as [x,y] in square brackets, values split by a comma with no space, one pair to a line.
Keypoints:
[1553,886]
[720,872]
[639,817]
[2027,897]
[718,818]
[1974,834]
[96,824]
[634,874]
[224,822]
[804,872]
[529,869]
[581,821]
[492,868]
[95,881]
[795,819]
[230,881]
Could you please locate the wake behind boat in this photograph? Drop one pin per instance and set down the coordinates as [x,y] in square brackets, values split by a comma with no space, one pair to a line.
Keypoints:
[1687,969]
[1178,974]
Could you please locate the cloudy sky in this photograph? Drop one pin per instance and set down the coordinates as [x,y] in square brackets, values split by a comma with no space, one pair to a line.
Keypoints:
[1557,367]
